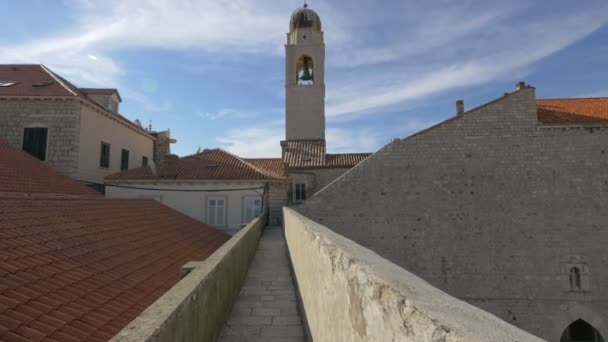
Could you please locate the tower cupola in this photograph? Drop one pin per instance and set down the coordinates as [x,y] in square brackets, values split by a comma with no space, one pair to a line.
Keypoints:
[304,17]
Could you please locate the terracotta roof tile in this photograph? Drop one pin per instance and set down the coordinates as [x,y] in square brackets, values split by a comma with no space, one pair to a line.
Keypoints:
[20,173]
[141,252]
[346,159]
[210,164]
[305,154]
[81,267]
[274,166]
[26,77]
[572,110]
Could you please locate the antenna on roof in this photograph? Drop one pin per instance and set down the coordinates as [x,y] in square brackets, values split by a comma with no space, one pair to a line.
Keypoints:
[150,126]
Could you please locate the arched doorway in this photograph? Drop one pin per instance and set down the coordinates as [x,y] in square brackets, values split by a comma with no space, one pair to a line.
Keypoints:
[581,331]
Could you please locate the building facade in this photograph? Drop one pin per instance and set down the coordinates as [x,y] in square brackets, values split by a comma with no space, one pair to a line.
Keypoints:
[79,131]
[214,186]
[503,206]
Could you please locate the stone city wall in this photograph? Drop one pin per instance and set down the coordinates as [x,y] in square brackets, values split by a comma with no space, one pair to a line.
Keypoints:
[491,208]
[349,293]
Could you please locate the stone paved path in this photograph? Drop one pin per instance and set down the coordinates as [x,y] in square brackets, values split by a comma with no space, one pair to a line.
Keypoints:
[266,308]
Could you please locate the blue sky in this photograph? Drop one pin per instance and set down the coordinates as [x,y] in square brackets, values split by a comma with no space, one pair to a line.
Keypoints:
[213,70]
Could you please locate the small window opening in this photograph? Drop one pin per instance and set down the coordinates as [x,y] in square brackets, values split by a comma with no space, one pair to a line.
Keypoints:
[34,141]
[300,192]
[144,161]
[305,74]
[42,84]
[213,166]
[124,160]
[7,84]
[104,158]
[575,279]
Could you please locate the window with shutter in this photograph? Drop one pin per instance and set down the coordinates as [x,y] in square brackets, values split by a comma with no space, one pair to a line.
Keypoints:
[34,141]
[124,160]
[104,159]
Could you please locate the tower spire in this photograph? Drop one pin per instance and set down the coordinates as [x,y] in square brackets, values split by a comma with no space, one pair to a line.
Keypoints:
[305,3]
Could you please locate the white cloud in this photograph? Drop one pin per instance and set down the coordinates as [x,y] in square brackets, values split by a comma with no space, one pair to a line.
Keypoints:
[226,113]
[598,93]
[255,141]
[507,52]
[400,52]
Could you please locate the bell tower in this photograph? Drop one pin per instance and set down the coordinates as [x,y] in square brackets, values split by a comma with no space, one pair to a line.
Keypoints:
[305,77]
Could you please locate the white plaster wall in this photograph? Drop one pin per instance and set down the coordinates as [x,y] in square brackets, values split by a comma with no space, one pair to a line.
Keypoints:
[95,128]
[193,202]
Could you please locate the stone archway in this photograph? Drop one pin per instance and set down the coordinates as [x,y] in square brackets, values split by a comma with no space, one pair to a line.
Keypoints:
[581,331]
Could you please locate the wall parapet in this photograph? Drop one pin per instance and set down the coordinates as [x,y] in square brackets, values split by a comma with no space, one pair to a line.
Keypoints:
[197,307]
[349,293]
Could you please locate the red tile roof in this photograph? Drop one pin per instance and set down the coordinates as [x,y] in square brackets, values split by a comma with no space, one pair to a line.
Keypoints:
[572,110]
[82,269]
[210,164]
[28,75]
[346,159]
[275,166]
[306,154]
[23,174]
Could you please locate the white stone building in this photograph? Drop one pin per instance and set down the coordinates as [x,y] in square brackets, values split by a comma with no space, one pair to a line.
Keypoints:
[213,186]
[79,131]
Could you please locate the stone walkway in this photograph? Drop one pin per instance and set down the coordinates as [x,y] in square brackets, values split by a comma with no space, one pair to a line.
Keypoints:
[266,309]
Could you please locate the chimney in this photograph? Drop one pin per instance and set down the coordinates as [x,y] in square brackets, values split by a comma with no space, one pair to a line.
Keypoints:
[459,107]
[520,86]
[168,167]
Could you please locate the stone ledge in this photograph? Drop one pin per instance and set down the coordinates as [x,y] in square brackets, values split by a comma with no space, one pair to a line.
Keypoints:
[197,307]
[350,293]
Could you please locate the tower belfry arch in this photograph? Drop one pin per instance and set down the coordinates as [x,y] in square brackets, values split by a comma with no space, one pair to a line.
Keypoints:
[305,76]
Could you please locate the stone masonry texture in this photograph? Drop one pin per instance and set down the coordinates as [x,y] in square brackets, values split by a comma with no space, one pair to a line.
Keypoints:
[490,207]
[62,117]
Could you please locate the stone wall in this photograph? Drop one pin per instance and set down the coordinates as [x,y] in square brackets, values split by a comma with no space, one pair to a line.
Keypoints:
[197,308]
[491,208]
[349,293]
[60,116]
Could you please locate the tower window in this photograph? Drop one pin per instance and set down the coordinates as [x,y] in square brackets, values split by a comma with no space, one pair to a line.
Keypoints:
[305,74]
[575,279]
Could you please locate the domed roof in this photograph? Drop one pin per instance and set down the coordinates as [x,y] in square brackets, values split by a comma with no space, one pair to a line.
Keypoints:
[304,17]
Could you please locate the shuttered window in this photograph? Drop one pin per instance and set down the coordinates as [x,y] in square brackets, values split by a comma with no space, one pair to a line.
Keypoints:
[300,192]
[104,159]
[124,160]
[34,141]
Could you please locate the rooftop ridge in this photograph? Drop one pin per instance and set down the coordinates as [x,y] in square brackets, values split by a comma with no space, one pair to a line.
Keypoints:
[260,171]
[58,79]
